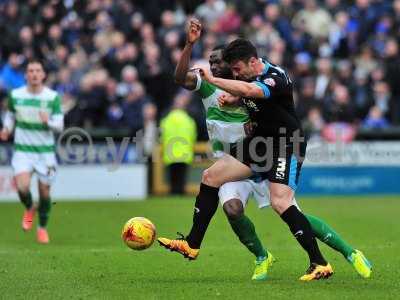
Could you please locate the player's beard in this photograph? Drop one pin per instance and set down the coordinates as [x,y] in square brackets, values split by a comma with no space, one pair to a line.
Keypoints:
[226,74]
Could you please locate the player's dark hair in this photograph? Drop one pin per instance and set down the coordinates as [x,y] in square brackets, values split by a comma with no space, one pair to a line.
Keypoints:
[35,61]
[219,47]
[239,49]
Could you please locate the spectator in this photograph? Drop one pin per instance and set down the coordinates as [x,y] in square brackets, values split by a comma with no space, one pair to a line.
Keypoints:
[265,37]
[339,35]
[361,94]
[210,11]
[344,72]
[349,43]
[3,109]
[341,109]
[334,6]
[111,91]
[12,22]
[150,128]
[300,40]
[316,20]
[229,22]
[132,107]
[73,114]
[168,23]
[307,100]
[76,64]
[396,13]
[302,66]
[129,80]
[272,13]
[365,62]
[114,110]
[114,115]
[64,83]
[323,78]
[288,8]
[150,137]
[154,73]
[178,135]
[363,16]
[92,97]
[377,74]
[392,63]
[381,97]
[314,123]
[12,75]
[147,34]
[375,119]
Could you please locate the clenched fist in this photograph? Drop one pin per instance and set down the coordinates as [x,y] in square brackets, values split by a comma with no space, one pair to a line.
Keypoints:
[193,31]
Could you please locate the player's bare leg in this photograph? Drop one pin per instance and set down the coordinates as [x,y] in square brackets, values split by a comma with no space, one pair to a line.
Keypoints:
[224,170]
[23,182]
[43,211]
[282,202]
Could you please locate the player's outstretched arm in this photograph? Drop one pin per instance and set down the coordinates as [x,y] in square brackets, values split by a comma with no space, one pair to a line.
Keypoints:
[182,75]
[4,134]
[8,126]
[9,120]
[235,87]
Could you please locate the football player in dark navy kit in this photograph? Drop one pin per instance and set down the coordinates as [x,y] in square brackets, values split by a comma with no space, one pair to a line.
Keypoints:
[276,148]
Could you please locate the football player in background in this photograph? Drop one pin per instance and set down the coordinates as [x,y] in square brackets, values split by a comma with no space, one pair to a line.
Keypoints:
[34,111]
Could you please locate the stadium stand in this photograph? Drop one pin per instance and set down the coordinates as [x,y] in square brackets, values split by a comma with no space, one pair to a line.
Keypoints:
[109,59]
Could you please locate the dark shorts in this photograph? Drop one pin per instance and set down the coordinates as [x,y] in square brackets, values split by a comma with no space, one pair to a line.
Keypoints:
[268,160]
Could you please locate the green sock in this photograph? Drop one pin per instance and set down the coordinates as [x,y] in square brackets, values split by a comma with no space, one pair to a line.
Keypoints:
[245,231]
[44,211]
[329,236]
[26,199]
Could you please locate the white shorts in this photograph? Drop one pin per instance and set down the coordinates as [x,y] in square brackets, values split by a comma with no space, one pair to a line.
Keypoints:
[244,189]
[43,164]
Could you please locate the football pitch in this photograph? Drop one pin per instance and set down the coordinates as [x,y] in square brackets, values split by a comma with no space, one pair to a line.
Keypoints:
[86,258]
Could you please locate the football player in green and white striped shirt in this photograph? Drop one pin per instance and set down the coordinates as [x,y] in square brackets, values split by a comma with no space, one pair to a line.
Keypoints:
[34,111]
[225,125]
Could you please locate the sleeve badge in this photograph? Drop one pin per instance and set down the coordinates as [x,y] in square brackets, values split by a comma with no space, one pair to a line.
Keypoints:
[270,81]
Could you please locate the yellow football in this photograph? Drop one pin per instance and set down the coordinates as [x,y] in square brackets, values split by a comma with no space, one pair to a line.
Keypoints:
[139,233]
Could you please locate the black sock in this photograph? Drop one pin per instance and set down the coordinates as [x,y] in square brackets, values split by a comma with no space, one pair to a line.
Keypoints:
[301,229]
[26,199]
[204,209]
[44,210]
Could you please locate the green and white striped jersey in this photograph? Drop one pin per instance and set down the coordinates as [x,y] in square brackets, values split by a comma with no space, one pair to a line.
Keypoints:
[31,134]
[224,124]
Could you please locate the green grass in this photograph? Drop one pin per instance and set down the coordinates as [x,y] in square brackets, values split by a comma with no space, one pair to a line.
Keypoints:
[87,260]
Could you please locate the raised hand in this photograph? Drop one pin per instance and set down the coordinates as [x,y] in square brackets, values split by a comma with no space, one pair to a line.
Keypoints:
[193,31]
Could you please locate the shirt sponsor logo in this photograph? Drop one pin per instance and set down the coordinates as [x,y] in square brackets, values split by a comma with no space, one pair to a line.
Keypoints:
[250,104]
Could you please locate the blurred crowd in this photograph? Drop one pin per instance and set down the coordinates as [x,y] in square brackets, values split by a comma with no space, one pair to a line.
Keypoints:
[113,61]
